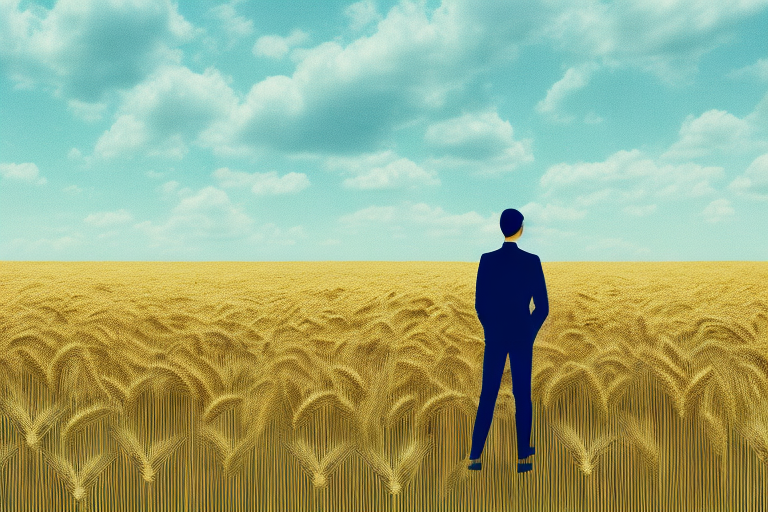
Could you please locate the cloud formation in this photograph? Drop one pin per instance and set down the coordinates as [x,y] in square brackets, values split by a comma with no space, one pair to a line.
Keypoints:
[85,48]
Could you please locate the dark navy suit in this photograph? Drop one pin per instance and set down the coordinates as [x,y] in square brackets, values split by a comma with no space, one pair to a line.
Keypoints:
[506,280]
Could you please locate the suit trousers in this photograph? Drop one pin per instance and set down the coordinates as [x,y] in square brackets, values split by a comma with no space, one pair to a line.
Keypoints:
[520,350]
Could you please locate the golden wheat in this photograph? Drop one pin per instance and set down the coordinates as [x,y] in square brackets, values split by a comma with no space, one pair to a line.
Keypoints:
[409,462]
[674,353]
[574,373]
[350,376]
[401,407]
[616,388]
[696,387]
[33,430]
[714,426]
[318,399]
[641,438]
[82,418]
[63,355]
[585,457]
[201,388]
[755,430]
[79,482]
[443,400]
[6,452]
[292,364]
[221,404]
[33,364]
[551,350]
[319,469]
[232,457]
[172,378]
[151,460]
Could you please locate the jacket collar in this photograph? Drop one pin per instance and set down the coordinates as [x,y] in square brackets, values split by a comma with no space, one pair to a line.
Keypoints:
[509,245]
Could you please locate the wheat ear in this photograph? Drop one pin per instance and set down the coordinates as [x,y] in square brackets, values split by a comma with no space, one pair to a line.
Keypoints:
[221,404]
[83,418]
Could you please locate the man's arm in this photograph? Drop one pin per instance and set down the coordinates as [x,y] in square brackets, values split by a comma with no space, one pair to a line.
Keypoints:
[540,300]
[481,294]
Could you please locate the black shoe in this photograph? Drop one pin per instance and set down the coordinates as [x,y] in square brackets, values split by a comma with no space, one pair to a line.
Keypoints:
[531,452]
[476,466]
[524,467]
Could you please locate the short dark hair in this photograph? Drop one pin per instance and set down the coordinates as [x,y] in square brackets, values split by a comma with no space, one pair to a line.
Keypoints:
[510,222]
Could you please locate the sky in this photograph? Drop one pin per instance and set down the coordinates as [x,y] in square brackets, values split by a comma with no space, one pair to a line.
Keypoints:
[255,130]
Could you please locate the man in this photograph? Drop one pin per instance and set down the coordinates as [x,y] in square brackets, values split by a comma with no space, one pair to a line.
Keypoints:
[506,280]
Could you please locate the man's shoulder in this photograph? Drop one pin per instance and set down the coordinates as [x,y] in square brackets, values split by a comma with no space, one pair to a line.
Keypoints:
[498,252]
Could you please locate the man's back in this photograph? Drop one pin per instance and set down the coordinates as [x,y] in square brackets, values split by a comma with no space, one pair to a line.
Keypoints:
[507,278]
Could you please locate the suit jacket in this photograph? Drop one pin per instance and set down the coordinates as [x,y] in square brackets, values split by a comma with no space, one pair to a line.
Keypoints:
[507,278]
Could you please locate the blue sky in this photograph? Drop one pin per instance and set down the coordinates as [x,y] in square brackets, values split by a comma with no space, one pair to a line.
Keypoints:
[389,131]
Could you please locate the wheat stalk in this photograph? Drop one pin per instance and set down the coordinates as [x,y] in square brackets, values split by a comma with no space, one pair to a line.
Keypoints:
[60,359]
[83,418]
[221,404]
[551,349]
[616,388]
[641,438]
[151,460]
[78,482]
[410,461]
[755,430]
[714,427]
[231,456]
[349,375]
[6,452]
[585,457]
[401,408]
[318,399]
[442,400]
[211,375]
[33,364]
[292,364]
[319,469]
[33,430]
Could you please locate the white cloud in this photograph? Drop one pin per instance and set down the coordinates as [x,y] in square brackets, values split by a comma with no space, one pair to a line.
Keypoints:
[235,25]
[126,134]
[718,210]
[757,70]
[754,182]
[84,48]
[46,245]
[267,183]
[209,215]
[276,47]
[593,197]
[26,172]
[165,111]
[639,211]
[383,170]
[592,118]
[575,78]
[550,213]
[419,218]
[361,14]
[87,111]
[615,247]
[478,136]
[102,219]
[343,99]
[665,38]
[715,131]
[644,175]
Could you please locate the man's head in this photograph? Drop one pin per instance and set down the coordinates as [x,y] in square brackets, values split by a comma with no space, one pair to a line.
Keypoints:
[511,224]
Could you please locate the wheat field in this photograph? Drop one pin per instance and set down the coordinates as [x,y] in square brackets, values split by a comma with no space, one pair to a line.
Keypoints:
[353,386]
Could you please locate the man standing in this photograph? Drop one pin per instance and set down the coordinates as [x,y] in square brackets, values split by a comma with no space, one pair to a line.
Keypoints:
[507,278]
